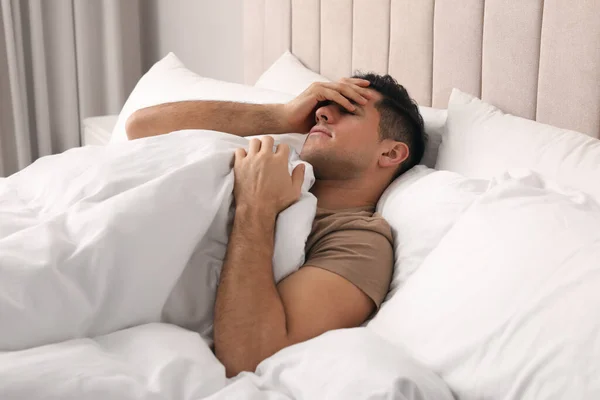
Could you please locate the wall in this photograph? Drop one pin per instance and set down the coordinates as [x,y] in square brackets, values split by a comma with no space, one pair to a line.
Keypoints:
[205,34]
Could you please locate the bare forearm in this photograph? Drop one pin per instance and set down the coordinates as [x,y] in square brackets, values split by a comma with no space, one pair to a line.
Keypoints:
[236,118]
[250,322]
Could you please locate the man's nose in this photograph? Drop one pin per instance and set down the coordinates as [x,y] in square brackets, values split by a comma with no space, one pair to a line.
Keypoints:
[324,114]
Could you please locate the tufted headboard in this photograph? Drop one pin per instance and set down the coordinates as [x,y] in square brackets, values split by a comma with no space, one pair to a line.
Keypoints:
[539,59]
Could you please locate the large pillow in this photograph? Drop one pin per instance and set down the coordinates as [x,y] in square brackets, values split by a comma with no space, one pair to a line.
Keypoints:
[169,80]
[421,206]
[481,141]
[288,74]
[435,123]
[506,306]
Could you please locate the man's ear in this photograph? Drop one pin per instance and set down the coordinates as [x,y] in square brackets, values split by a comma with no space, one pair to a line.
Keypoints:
[393,154]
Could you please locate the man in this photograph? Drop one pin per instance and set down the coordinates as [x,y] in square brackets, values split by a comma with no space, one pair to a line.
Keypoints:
[362,133]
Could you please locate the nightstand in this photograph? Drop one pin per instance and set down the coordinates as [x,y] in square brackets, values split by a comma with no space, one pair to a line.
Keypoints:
[97,130]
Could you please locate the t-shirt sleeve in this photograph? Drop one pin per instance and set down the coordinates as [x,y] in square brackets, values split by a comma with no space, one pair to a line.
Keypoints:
[362,256]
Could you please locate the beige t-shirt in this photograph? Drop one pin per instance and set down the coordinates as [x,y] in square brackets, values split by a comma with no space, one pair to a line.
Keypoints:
[356,244]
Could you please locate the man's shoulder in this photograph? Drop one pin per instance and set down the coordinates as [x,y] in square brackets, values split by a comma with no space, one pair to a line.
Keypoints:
[356,244]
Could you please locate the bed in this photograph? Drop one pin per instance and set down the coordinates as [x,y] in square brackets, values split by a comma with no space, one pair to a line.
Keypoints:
[497,271]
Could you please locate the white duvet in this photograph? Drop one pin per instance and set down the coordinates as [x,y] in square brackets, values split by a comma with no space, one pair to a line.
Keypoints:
[99,244]
[161,361]
[102,238]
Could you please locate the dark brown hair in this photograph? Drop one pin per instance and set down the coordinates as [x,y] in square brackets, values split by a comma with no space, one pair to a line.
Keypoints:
[400,119]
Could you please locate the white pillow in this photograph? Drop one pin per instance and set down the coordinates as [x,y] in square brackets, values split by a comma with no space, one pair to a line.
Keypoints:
[481,141]
[435,124]
[169,80]
[506,307]
[421,206]
[288,75]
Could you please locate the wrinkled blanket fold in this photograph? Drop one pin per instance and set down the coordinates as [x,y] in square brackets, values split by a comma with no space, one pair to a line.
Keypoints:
[99,239]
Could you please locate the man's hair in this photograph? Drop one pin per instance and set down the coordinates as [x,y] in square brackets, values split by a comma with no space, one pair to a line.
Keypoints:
[400,118]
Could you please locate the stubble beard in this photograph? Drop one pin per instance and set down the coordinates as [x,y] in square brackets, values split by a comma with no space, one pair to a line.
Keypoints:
[332,165]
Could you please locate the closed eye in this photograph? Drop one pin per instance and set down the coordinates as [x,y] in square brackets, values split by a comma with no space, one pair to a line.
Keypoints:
[344,110]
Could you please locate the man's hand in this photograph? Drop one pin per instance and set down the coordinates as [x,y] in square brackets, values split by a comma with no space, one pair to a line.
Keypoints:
[300,112]
[262,179]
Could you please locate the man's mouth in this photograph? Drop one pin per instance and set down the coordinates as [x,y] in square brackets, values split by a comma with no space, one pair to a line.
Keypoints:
[321,129]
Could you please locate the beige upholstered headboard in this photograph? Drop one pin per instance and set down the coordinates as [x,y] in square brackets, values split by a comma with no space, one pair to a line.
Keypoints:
[539,59]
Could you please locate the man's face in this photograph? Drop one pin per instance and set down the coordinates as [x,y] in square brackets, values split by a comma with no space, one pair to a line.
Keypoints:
[344,145]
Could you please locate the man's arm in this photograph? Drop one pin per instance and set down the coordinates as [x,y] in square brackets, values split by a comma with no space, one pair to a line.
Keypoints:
[254,318]
[244,119]
[236,118]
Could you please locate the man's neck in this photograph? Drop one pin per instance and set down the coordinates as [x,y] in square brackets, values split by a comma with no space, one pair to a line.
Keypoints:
[337,195]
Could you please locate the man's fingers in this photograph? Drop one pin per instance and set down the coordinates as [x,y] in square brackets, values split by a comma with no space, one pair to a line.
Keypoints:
[356,81]
[254,146]
[298,177]
[267,144]
[284,150]
[360,85]
[348,91]
[334,95]
[363,91]
[239,154]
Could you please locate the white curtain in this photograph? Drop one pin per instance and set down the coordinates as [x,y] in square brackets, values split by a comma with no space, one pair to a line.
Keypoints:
[62,61]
